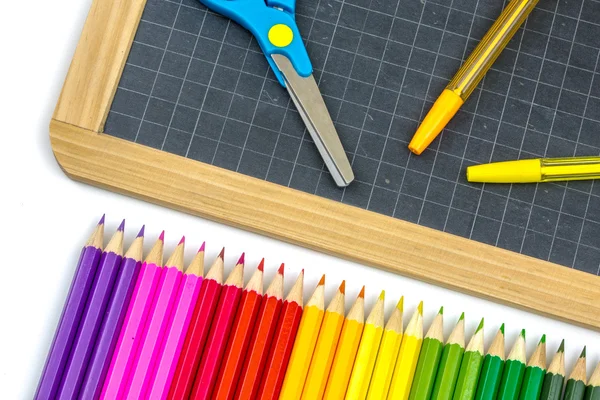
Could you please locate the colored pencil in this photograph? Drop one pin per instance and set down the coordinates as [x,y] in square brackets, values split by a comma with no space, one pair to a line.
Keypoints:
[429,359]
[240,336]
[514,370]
[183,308]
[575,388]
[304,345]
[81,350]
[447,374]
[554,379]
[219,332]
[534,373]
[367,352]
[387,355]
[470,367]
[159,318]
[322,358]
[592,392]
[73,309]
[491,371]
[408,357]
[113,321]
[195,339]
[283,342]
[262,336]
[119,371]
[346,350]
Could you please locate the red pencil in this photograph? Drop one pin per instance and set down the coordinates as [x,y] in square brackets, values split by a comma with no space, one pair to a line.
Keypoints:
[195,339]
[283,342]
[219,332]
[239,339]
[261,339]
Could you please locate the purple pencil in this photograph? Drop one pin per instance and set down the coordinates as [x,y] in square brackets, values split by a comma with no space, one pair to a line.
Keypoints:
[115,314]
[71,316]
[92,318]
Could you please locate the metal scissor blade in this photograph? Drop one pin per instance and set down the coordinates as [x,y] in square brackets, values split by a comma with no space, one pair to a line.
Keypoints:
[306,96]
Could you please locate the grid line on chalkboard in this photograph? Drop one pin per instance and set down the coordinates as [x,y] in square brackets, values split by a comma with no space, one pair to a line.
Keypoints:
[197,85]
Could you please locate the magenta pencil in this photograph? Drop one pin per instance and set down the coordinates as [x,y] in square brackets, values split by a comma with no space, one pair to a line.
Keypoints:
[115,314]
[119,372]
[144,367]
[71,316]
[176,332]
[219,333]
[92,318]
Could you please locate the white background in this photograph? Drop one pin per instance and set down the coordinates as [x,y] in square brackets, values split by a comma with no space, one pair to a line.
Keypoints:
[45,218]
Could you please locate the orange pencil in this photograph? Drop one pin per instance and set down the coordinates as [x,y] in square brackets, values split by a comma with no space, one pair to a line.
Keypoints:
[283,342]
[266,323]
[239,338]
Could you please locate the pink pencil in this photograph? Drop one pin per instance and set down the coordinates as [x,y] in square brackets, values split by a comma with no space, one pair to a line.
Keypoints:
[144,367]
[175,336]
[134,323]
[219,333]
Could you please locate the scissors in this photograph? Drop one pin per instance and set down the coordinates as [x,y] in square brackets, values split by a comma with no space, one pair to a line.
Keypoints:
[273,25]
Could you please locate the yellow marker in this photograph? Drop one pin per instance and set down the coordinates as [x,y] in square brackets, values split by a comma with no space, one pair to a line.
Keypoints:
[322,358]
[304,345]
[280,35]
[387,355]
[470,74]
[537,170]
[346,350]
[408,357]
[367,353]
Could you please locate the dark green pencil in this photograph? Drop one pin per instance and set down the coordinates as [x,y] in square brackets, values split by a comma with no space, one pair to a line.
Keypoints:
[429,359]
[491,372]
[514,369]
[534,373]
[470,367]
[555,377]
[592,392]
[454,349]
[575,389]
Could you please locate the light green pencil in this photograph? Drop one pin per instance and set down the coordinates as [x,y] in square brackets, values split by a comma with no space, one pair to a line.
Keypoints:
[445,380]
[466,385]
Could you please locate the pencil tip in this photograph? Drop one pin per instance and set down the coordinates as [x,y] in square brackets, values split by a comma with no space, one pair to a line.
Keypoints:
[222,254]
[523,333]
[261,266]
[242,258]
[502,328]
[202,247]
[400,305]
[281,268]
[101,222]
[543,338]
[362,293]
[441,312]
[462,317]
[121,227]
[182,241]
[162,236]
[342,288]
[561,348]
[583,352]
[141,233]
[420,307]
[381,295]
[480,327]
[322,281]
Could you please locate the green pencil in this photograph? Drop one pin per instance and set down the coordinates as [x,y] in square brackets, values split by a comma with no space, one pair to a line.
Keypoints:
[592,392]
[555,377]
[514,369]
[429,358]
[466,385]
[534,373]
[575,389]
[447,373]
[491,372]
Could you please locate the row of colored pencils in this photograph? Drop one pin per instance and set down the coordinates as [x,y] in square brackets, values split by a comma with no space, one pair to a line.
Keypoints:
[133,329]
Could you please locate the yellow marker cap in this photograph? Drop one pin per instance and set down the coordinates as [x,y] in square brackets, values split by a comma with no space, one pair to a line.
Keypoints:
[440,114]
[521,171]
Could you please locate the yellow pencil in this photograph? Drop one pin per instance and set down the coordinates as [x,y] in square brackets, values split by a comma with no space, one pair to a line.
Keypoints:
[387,355]
[408,357]
[304,345]
[367,352]
[322,358]
[346,350]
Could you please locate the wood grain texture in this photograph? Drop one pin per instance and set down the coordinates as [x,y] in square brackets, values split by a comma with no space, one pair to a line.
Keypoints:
[98,63]
[327,226]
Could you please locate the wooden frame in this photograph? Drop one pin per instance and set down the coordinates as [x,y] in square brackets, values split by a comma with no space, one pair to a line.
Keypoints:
[87,155]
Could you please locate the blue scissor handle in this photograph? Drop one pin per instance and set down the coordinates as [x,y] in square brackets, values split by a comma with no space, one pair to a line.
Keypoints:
[257,17]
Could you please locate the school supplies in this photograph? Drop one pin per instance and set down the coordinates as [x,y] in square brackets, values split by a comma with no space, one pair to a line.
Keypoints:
[274,28]
[592,392]
[514,370]
[470,367]
[534,373]
[447,374]
[429,359]
[575,387]
[491,372]
[554,379]
[470,74]
[536,170]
